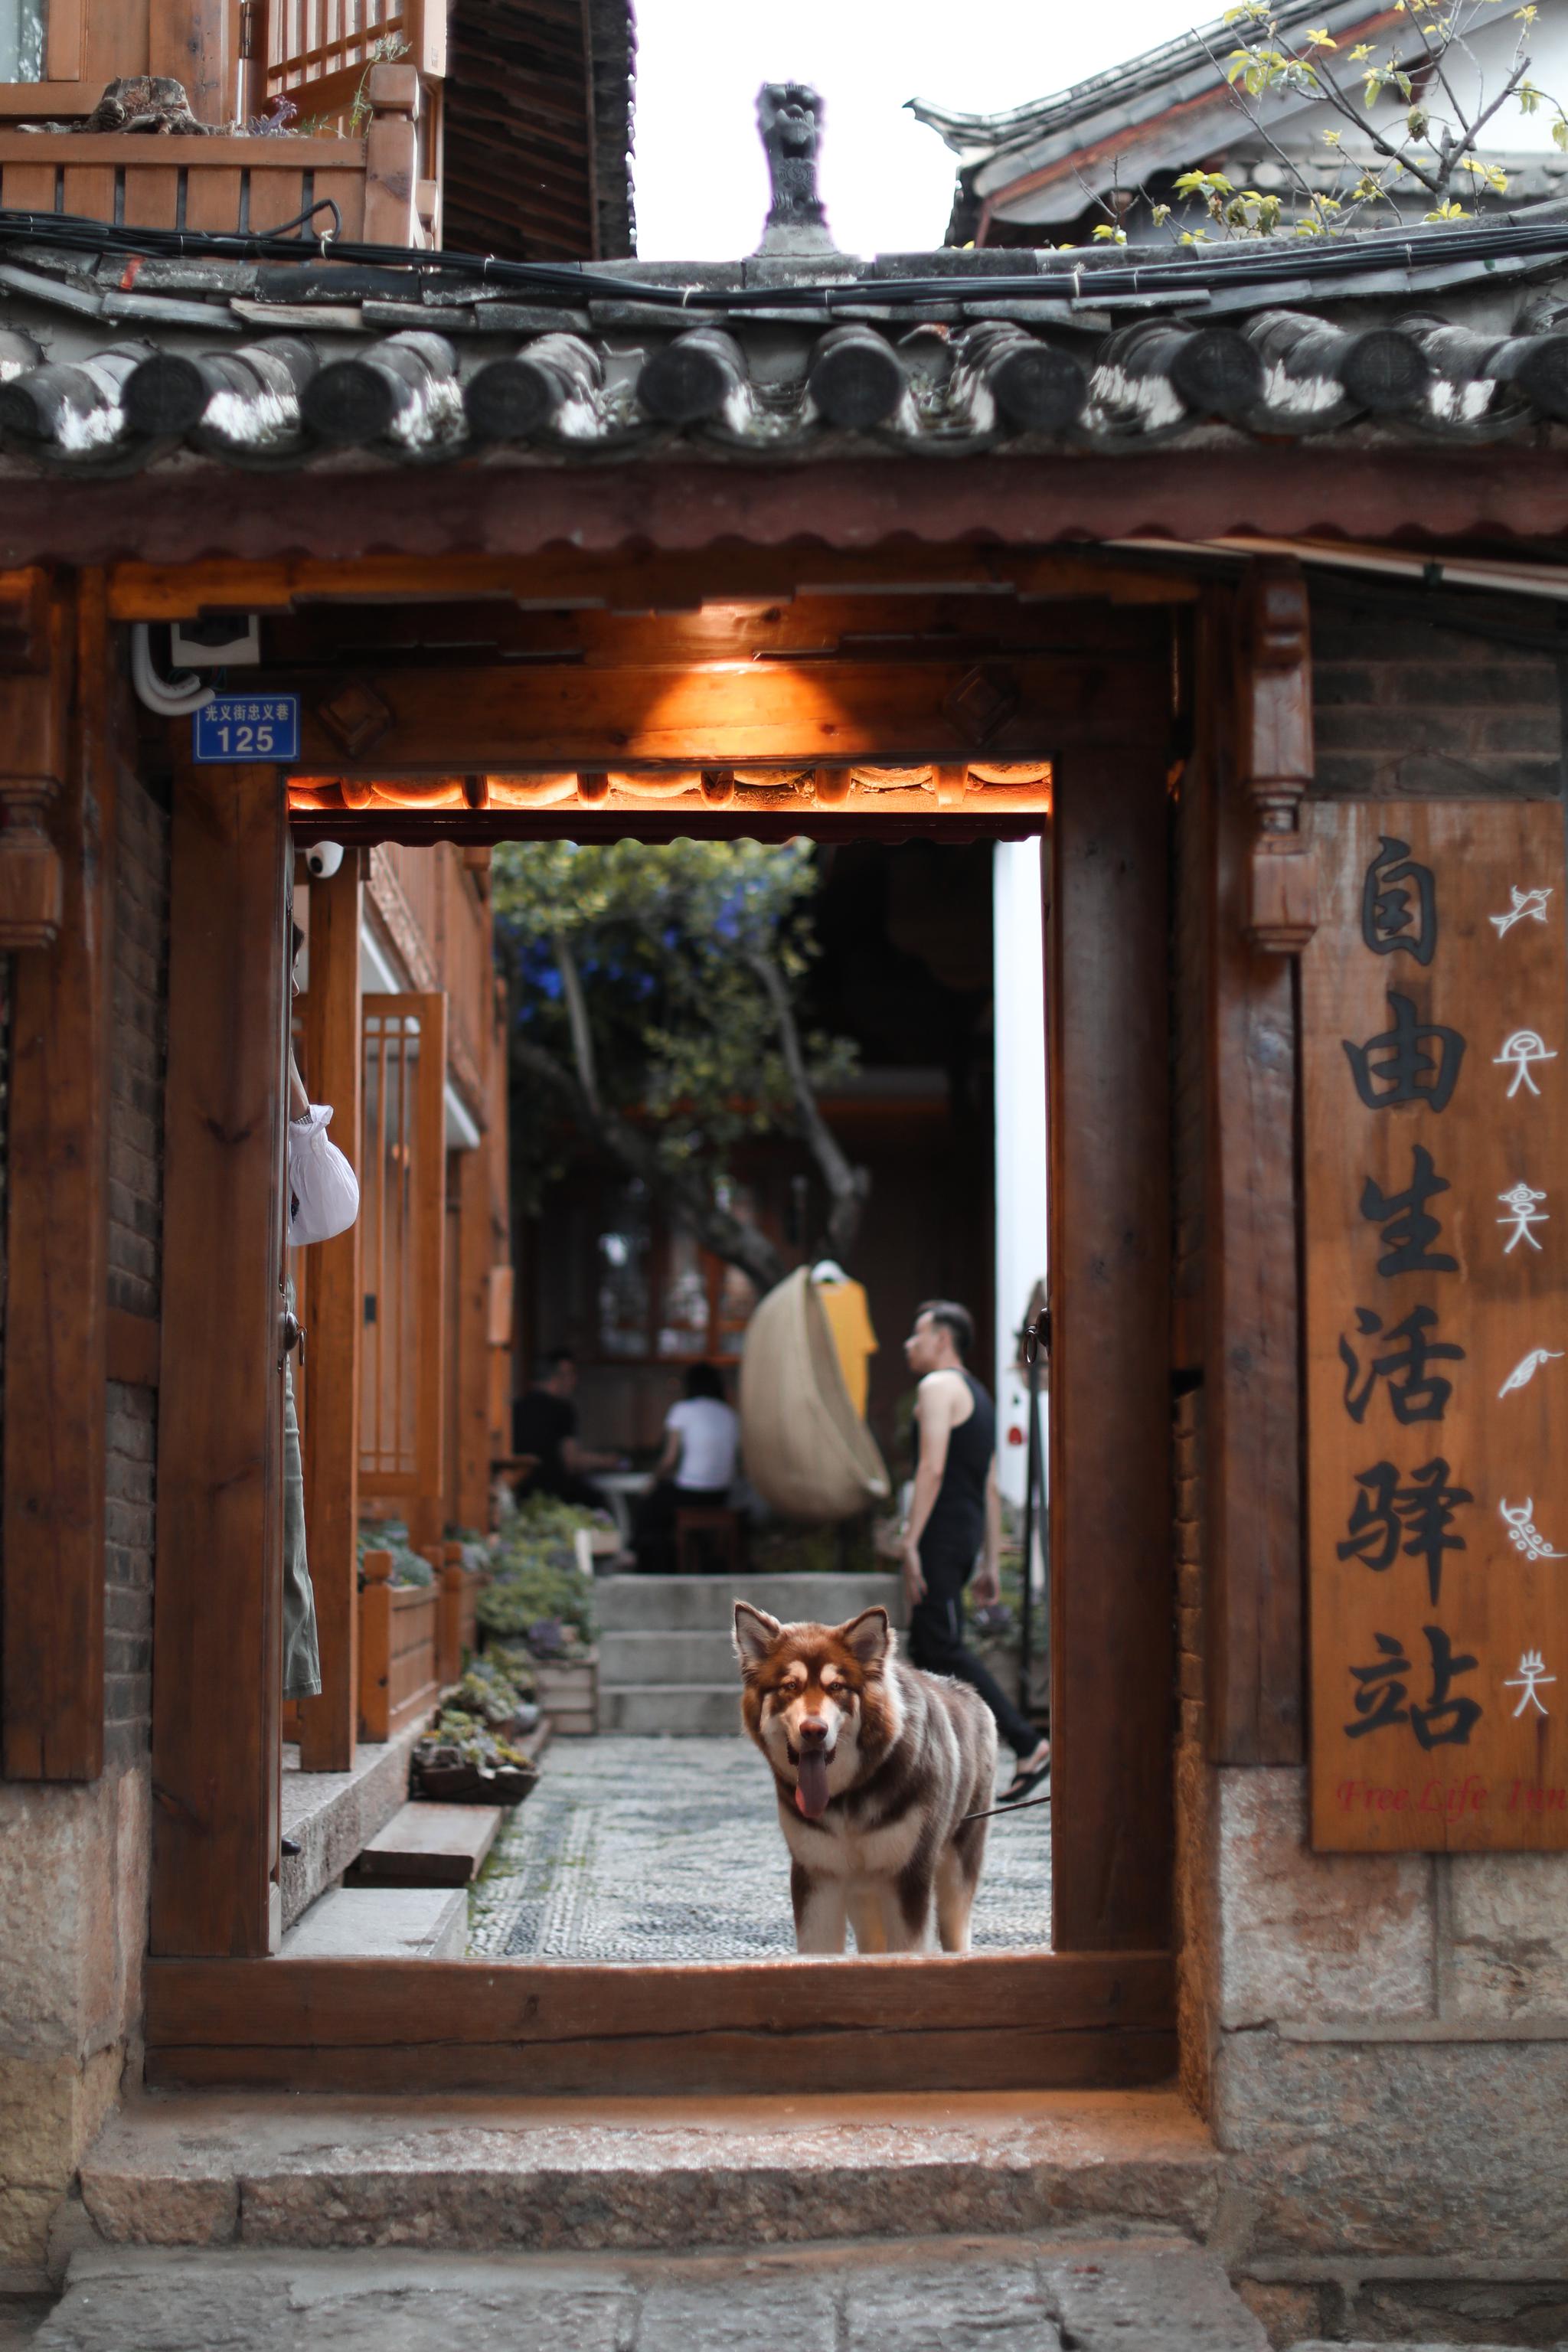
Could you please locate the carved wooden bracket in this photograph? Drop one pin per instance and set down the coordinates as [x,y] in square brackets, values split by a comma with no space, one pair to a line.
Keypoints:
[1275,674]
[35,694]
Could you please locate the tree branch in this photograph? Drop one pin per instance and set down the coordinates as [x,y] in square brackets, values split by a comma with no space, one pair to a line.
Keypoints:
[847,1186]
[683,1192]
[577,1014]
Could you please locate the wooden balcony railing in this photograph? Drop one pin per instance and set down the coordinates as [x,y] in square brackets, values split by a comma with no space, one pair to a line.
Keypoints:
[248,184]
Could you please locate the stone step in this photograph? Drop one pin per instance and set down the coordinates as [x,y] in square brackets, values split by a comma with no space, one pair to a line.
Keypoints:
[333,1816]
[683,1657]
[659,1604]
[382,1923]
[699,1710]
[259,2170]
[1145,2293]
[428,1845]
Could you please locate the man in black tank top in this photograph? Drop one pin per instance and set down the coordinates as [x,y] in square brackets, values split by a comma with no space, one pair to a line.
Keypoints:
[955,1516]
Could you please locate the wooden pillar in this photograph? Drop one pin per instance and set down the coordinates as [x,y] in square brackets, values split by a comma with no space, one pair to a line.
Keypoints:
[1252,1287]
[470,1474]
[391,156]
[56,870]
[218,1654]
[328,1724]
[1111,1576]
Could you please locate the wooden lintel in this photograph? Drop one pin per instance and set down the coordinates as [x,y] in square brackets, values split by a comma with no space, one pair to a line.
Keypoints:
[1275,679]
[638,583]
[441,721]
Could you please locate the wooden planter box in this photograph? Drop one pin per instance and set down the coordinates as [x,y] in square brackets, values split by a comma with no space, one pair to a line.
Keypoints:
[569,1695]
[399,1630]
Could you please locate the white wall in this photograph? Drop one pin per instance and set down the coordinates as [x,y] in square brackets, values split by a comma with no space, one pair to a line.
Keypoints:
[1019,954]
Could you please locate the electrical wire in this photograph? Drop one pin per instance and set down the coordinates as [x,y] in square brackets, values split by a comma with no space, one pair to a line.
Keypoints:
[1069,277]
[171,698]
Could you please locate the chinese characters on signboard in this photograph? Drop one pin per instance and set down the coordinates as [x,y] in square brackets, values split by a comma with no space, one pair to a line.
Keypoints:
[1436,1176]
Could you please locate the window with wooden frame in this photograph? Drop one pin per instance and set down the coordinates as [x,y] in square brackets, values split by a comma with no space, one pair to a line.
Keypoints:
[403,1212]
[45,67]
[658,1296]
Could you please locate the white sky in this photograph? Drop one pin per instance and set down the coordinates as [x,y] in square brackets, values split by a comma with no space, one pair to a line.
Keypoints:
[701,185]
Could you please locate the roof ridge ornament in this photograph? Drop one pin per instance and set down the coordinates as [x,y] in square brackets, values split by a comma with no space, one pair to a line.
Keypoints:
[789,116]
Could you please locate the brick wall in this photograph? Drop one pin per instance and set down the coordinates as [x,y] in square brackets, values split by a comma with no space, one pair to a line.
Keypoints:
[136,1103]
[1406,706]
[135,1233]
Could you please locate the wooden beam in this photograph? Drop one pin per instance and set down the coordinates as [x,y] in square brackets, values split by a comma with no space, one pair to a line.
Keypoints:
[58,1240]
[1107,995]
[218,1654]
[134,1345]
[1274,690]
[1253,1613]
[441,722]
[637,582]
[328,1724]
[37,668]
[980,2022]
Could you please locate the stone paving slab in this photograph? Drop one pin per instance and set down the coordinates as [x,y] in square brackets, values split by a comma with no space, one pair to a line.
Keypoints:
[1105,2294]
[669,1849]
[265,2169]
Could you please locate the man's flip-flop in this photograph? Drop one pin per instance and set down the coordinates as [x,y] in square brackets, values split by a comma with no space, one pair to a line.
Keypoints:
[1024,1784]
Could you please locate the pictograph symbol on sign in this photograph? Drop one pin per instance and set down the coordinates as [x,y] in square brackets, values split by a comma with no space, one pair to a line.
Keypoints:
[1523,1048]
[1522,1532]
[1529,906]
[1524,1372]
[1522,1213]
[1531,1673]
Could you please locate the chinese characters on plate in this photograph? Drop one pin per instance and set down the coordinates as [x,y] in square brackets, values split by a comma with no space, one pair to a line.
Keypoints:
[1435,1300]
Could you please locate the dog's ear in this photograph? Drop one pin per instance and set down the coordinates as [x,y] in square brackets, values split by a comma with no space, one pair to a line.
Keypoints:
[755,1634]
[869,1637]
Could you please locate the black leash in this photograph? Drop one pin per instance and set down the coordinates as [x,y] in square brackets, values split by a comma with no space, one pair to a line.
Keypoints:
[1022,1806]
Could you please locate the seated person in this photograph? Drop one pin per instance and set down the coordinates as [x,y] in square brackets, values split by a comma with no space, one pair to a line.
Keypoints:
[695,1469]
[544,1423]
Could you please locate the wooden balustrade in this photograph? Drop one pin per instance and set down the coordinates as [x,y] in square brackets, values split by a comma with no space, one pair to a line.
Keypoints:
[234,183]
[459,1636]
[398,1633]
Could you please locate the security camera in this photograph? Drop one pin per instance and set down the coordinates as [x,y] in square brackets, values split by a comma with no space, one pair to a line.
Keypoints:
[323,858]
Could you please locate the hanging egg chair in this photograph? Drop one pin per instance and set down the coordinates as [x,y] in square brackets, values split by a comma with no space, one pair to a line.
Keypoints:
[807,1452]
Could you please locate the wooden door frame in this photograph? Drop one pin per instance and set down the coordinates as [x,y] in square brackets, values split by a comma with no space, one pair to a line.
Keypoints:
[1098,2008]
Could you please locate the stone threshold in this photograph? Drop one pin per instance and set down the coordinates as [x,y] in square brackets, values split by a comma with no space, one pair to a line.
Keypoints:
[1425,2029]
[334,1815]
[255,2170]
[1108,2290]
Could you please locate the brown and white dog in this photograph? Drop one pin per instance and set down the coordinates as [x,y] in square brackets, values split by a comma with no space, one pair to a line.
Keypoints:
[876,1765]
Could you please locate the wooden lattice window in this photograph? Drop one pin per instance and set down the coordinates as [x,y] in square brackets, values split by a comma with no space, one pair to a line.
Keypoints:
[403,1187]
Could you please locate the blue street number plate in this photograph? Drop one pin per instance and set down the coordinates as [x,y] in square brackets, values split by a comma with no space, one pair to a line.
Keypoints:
[248,729]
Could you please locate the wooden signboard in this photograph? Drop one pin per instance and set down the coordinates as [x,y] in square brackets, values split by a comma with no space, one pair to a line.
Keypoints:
[1435,1065]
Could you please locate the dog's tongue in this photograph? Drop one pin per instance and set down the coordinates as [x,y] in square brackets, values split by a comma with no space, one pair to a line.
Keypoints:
[811,1784]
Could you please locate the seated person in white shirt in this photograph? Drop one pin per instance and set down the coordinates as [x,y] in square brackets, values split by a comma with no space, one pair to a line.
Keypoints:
[695,1469]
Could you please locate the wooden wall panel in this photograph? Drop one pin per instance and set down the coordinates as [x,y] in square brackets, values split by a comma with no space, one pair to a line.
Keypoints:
[1111,1576]
[57,1241]
[469,1475]
[218,1655]
[330,1420]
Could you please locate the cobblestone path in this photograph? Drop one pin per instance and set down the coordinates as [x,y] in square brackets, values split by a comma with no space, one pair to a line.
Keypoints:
[669,1850]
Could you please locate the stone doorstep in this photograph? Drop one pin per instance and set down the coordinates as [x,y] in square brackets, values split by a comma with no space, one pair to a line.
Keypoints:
[334,1815]
[257,2170]
[1141,2292]
[381,1923]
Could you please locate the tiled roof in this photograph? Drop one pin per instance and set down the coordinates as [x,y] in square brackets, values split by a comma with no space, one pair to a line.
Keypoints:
[109,364]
